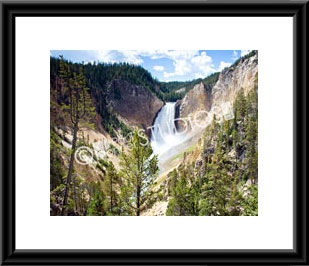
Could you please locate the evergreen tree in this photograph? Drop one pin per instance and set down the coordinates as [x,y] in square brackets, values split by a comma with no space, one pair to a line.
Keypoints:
[250,202]
[111,190]
[241,106]
[252,154]
[216,190]
[96,207]
[233,207]
[185,195]
[139,171]
[80,109]
[172,181]
[56,170]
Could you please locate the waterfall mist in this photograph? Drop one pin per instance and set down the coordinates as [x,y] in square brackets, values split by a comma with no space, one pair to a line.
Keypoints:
[164,134]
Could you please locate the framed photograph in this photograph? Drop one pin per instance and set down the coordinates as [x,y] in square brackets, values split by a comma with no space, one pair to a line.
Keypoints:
[153,133]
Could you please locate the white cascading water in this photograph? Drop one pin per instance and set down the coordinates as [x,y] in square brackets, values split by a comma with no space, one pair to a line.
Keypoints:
[164,134]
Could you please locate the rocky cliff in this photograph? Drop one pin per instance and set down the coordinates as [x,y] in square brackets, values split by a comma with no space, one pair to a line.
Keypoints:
[134,104]
[197,99]
[240,75]
[232,79]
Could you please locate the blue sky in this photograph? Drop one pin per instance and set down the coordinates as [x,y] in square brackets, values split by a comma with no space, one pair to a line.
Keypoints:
[165,65]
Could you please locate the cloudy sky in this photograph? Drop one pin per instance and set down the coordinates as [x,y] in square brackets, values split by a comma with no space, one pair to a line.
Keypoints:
[166,65]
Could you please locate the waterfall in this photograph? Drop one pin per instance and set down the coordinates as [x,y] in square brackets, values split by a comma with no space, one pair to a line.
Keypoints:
[164,134]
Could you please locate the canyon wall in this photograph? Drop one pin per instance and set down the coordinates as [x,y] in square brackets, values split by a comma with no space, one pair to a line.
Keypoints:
[231,80]
[136,105]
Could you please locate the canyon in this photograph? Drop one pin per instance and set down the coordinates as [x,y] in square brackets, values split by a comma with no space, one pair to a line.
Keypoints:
[175,130]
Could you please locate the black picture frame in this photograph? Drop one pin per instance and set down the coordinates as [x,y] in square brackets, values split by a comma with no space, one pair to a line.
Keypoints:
[12,256]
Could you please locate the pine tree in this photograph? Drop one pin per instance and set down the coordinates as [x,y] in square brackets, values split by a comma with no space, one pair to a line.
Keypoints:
[252,154]
[216,190]
[111,190]
[185,196]
[139,171]
[56,170]
[96,207]
[235,200]
[241,106]
[172,181]
[80,110]
[250,202]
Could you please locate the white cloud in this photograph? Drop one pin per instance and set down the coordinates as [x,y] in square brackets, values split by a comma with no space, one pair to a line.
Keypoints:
[89,62]
[202,59]
[244,52]
[199,76]
[235,55]
[158,68]
[189,63]
[167,75]
[223,65]
[114,56]
[185,62]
